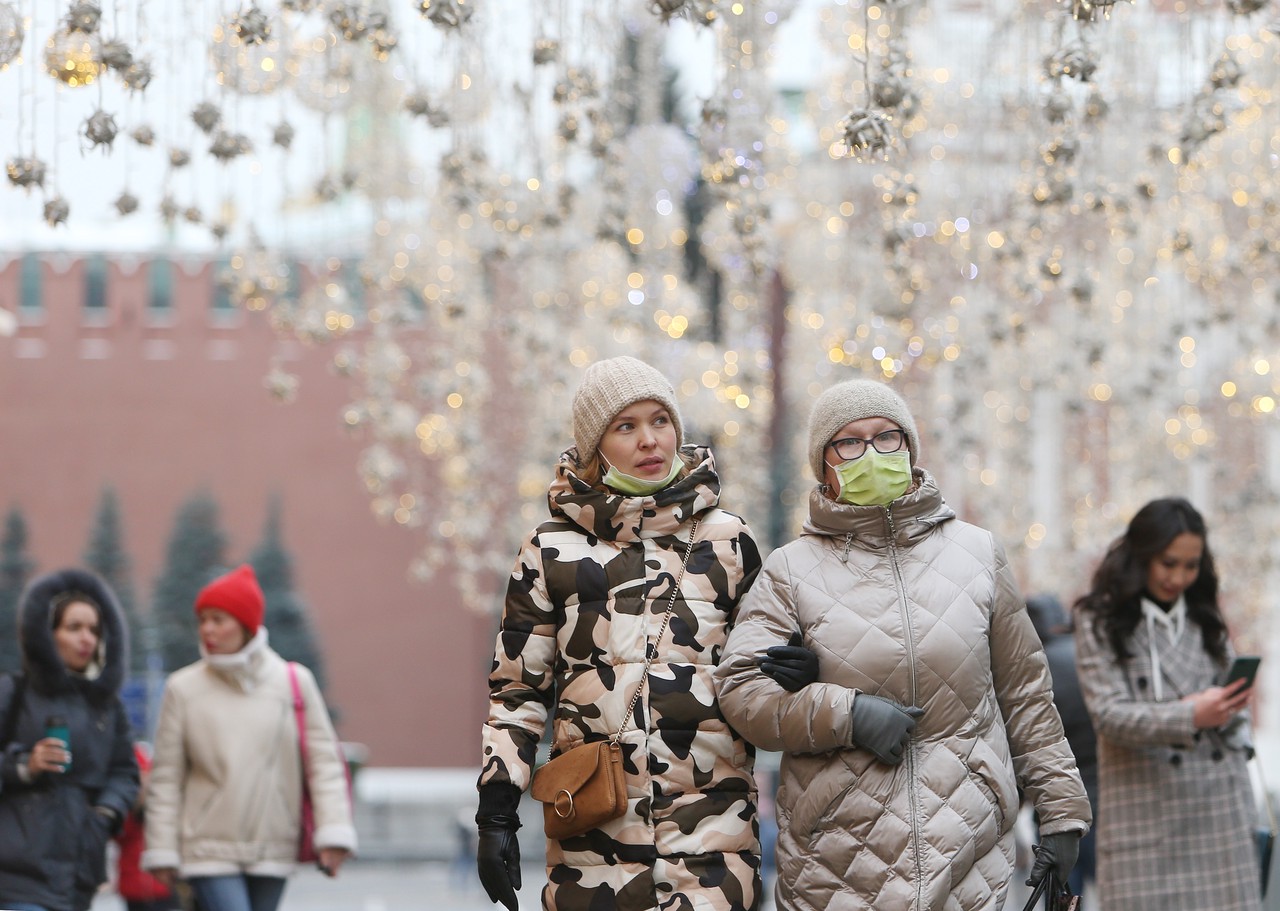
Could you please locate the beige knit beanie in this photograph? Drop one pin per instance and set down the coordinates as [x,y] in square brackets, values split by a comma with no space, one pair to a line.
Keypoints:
[854,400]
[608,387]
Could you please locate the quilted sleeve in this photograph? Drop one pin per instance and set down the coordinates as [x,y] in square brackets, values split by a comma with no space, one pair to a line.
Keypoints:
[1116,714]
[522,678]
[1042,759]
[816,719]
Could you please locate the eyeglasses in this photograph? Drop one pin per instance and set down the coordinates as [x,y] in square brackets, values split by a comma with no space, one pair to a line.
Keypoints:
[885,442]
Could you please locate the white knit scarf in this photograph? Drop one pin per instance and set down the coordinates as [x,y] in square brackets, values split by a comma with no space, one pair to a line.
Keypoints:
[1173,623]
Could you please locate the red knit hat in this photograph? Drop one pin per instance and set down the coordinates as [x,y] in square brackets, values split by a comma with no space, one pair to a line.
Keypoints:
[237,593]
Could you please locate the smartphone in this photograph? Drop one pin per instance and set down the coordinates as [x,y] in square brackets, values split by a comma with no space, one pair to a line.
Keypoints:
[1243,667]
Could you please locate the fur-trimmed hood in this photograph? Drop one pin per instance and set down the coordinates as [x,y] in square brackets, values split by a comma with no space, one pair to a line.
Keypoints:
[45,670]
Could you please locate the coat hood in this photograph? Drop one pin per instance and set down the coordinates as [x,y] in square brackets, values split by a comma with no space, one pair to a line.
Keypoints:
[40,660]
[916,513]
[621,518]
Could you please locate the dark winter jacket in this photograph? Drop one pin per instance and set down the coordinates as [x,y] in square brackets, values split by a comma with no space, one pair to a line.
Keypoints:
[52,842]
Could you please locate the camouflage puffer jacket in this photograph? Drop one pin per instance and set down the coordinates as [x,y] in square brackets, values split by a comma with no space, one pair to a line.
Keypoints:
[589,589]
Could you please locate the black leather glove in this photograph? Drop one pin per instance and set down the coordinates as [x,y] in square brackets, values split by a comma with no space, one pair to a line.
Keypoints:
[1058,851]
[792,665]
[882,726]
[498,853]
[498,860]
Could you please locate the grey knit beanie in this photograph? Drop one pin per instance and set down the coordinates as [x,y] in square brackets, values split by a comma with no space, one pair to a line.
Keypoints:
[854,400]
[608,387]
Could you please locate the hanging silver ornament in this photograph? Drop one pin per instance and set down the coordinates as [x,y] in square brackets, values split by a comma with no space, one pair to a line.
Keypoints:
[227,145]
[71,57]
[1089,10]
[326,189]
[219,230]
[868,135]
[12,33]
[179,158]
[1226,72]
[83,16]
[447,13]
[383,41]
[703,12]
[99,129]
[144,135]
[56,211]
[26,172]
[252,26]
[668,9]
[137,76]
[283,134]
[168,209]
[1059,151]
[206,116]
[545,50]
[116,55]
[193,214]
[126,203]
[1057,105]
[1247,7]
[1096,105]
[419,105]
[568,129]
[348,19]
[1076,62]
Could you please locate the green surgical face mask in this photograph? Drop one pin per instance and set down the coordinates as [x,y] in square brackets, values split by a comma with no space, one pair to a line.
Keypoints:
[639,487]
[876,479]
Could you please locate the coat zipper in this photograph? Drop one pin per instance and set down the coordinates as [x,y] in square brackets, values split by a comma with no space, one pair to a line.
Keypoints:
[912,791]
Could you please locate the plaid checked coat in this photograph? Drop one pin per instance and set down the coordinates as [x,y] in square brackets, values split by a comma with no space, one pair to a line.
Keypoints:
[1175,807]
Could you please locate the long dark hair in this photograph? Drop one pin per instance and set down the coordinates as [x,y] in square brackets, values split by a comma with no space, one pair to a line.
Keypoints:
[1121,578]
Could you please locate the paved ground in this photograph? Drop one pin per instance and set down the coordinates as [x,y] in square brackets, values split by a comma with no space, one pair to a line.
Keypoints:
[369,886]
[419,886]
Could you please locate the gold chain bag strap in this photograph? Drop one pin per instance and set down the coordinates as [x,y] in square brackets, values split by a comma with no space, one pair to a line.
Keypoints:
[585,787]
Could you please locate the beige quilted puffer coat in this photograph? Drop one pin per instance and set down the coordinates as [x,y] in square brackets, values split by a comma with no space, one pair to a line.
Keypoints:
[909,603]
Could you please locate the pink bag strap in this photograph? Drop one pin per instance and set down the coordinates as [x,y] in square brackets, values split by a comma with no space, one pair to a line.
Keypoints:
[300,716]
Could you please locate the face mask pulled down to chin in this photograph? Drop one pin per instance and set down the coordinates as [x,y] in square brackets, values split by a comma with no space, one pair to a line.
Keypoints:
[876,479]
[638,487]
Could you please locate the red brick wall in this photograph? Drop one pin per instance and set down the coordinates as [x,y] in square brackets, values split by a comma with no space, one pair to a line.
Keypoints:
[82,406]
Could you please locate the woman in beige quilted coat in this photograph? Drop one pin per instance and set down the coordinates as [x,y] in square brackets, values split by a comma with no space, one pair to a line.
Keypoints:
[932,702]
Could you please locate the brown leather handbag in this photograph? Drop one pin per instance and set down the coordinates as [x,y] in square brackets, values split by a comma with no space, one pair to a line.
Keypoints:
[584,787]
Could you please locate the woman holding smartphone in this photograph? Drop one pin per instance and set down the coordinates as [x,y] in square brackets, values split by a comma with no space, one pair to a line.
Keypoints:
[1176,813]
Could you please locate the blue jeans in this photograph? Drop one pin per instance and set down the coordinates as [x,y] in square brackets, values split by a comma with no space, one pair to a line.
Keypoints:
[240,892]
[22,906]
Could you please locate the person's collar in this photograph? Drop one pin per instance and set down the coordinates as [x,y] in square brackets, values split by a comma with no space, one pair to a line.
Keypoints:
[239,664]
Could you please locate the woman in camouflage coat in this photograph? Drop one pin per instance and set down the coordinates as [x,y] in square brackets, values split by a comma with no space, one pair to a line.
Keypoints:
[590,588]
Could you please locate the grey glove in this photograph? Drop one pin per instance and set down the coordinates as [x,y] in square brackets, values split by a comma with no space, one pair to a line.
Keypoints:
[882,726]
[1058,851]
[792,665]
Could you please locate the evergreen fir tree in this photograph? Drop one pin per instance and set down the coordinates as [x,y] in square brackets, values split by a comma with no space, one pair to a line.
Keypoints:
[15,570]
[194,556]
[105,555]
[287,619]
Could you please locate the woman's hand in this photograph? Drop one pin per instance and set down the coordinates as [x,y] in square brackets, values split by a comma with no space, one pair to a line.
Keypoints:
[167,876]
[1217,705]
[48,755]
[331,859]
